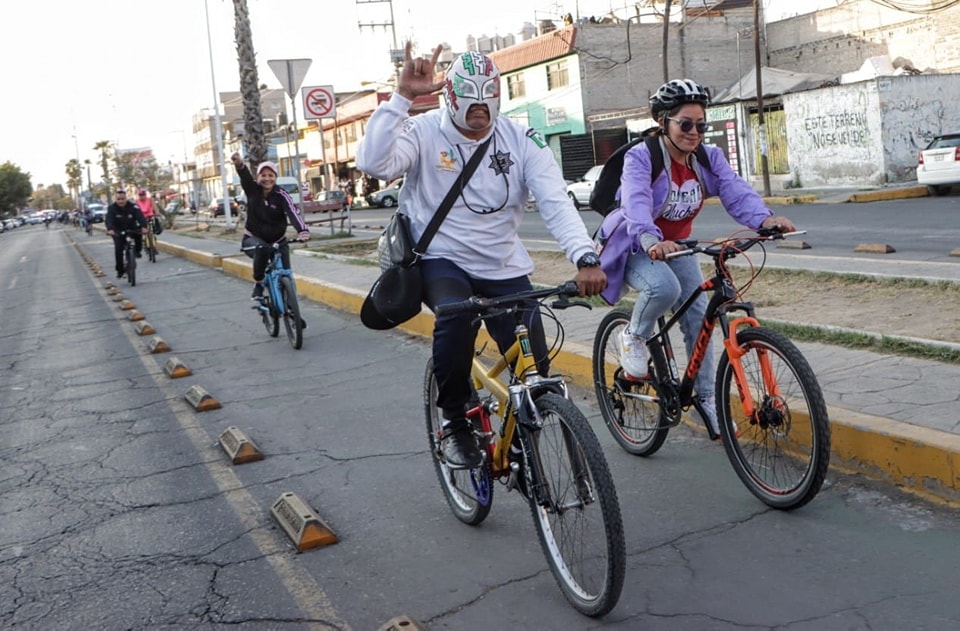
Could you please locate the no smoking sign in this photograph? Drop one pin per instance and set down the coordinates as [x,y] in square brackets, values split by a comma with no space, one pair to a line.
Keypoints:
[319,101]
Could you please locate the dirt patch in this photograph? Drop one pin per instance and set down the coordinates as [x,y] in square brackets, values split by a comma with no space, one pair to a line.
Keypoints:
[928,311]
[890,307]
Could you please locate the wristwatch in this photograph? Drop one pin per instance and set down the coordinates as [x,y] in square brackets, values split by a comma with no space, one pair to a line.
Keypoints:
[590,259]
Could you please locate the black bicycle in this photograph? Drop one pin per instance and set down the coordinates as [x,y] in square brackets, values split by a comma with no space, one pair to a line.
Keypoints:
[130,255]
[280,300]
[771,412]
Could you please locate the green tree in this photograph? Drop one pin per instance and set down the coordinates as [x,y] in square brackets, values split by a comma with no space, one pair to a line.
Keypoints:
[249,84]
[51,197]
[15,189]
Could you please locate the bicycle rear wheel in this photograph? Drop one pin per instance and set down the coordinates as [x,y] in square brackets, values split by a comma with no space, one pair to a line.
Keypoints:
[292,321]
[629,408]
[469,492]
[576,511]
[131,265]
[782,453]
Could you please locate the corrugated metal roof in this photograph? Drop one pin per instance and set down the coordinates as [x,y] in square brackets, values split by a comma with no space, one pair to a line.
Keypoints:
[538,50]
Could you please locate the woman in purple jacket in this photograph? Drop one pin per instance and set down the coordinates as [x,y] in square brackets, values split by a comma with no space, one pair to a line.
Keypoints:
[654,214]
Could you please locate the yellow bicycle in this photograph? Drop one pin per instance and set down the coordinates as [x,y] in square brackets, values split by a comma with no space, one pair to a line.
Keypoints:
[150,242]
[534,439]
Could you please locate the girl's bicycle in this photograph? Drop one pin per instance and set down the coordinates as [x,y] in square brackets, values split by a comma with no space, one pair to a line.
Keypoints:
[534,439]
[772,416]
[280,300]
[150,242]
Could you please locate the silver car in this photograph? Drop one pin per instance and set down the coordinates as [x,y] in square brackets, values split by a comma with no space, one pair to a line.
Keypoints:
[580,190]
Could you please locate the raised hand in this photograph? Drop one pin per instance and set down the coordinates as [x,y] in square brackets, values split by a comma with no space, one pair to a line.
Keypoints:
[417,76]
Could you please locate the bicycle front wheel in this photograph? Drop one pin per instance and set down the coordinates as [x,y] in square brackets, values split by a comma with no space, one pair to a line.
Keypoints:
[782,452]
[469,492]
[575,509]
[152,247]
[271,321]
[131,266]
[292,321]
[629,408]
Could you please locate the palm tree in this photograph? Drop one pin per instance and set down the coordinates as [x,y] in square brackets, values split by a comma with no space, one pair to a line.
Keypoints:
[74,177]
[249,84]
[104,147]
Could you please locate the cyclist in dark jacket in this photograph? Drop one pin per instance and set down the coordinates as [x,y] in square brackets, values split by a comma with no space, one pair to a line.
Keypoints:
[124,215]
[269,208]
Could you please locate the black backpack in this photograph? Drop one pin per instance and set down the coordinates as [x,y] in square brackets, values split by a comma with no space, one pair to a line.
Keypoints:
[603,197]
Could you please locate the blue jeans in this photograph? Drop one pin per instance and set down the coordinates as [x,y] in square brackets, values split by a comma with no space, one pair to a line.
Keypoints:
[454,336]
[662,286]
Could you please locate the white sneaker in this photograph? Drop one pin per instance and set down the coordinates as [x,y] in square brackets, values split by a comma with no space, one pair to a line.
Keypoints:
[709,404]
[633,355]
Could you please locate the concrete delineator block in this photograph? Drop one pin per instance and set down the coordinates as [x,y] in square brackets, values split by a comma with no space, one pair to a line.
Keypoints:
[143,328]
[157,345]
[135,316]
[301,523]
[174,368]
[402,623]
[239,447]
[874,248]
[201,400]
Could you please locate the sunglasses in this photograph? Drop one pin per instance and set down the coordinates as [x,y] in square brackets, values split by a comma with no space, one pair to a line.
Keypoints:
[687,125]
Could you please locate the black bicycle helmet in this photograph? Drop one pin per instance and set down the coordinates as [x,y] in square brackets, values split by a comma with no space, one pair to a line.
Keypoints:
[675,93]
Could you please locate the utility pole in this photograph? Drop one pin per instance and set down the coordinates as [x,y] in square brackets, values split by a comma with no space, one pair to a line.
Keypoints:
[666,37]
[761,124]
[396,54]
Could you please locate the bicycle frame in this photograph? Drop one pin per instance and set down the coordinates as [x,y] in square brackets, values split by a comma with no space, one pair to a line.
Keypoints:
[271,279]
[677,393]
[514,398]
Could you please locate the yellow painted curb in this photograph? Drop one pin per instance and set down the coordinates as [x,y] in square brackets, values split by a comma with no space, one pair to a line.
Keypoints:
[889,194]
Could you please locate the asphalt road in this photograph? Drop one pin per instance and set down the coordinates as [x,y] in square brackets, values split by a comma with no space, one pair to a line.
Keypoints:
[120,511]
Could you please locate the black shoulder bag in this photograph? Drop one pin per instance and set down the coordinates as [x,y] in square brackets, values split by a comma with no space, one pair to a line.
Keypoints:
[397,295]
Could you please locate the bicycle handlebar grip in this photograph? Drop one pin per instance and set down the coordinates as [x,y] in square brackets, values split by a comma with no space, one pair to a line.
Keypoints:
[570,288]
[470,304]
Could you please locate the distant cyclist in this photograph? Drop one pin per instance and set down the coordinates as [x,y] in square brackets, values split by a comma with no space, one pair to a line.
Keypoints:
[269,208]
[145,202]
[123,215]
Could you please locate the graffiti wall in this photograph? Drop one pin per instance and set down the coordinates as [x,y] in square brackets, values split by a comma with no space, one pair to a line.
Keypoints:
[834,136]
[868,133]
[914,110]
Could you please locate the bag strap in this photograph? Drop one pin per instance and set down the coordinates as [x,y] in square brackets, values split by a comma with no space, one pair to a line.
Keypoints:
[452,195]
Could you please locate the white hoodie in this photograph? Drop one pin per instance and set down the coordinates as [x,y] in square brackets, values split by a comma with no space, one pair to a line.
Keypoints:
[480,232]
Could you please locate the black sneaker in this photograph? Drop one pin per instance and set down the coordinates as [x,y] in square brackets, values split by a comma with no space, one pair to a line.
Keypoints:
[139,254]
[460,446]
[303,324]
[257,292]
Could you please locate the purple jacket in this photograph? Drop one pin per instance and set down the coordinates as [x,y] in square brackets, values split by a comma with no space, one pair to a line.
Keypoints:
[621,231]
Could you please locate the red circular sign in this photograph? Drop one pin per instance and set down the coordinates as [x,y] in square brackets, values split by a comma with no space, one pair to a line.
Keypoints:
[319,102]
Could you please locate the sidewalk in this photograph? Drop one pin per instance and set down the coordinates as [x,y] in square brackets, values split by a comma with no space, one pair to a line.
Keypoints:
[893,418]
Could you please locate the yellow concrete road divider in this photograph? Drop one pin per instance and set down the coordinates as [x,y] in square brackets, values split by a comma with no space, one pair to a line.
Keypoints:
[201,400]
[126,305]
[301,523]
[118,297]
[135,316]
[157,345]
[239,447]
[143,328]
[793,245]
[955,252]
[874,248]
[203,258]
[174,368]
[888,194]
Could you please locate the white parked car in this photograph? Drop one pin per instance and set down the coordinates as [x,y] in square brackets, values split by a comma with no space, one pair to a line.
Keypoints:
[938,166]
[579,191]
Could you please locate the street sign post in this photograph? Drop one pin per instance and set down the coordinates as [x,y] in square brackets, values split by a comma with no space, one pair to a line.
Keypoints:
[291,73]
[320,102]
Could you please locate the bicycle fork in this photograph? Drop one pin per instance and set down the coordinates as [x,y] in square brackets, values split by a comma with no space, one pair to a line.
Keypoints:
[734,353]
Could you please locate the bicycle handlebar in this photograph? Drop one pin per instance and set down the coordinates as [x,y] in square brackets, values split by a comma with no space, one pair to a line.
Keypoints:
[478,304]
[731,247]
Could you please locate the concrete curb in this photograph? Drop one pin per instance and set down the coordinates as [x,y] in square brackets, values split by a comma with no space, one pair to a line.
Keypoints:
[919,460]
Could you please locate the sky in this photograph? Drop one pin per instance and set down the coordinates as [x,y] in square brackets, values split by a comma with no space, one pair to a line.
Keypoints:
[134,72]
